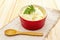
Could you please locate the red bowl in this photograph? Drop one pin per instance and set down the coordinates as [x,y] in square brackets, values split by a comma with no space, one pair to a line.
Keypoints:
[33,25]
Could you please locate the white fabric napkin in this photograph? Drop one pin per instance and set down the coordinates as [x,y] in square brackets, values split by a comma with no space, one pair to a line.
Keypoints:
[52,17]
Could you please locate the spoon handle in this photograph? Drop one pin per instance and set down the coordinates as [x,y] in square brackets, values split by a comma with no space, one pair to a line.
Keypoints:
[31,33]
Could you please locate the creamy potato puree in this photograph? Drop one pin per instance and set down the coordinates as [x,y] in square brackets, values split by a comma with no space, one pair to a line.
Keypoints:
[37,15]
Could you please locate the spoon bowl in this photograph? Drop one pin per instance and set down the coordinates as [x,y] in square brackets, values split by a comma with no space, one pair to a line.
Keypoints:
[10,32]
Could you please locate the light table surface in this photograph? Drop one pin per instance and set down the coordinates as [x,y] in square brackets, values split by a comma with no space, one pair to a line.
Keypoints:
[9,10]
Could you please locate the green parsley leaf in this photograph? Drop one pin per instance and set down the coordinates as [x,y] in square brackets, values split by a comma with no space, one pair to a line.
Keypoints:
[29,9]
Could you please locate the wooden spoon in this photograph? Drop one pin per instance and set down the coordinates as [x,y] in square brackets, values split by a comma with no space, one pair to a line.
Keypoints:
[12,32]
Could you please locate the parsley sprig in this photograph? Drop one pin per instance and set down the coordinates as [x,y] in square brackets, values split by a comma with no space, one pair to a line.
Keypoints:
[29,9]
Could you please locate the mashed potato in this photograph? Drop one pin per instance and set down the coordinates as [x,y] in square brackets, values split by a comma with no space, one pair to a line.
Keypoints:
[37,15]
